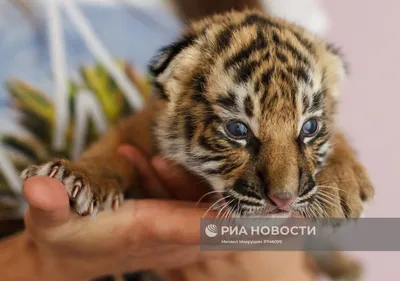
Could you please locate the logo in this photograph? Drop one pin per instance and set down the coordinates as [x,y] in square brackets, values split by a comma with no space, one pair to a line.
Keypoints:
[211,230]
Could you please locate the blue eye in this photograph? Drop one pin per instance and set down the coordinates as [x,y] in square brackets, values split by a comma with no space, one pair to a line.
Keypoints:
[310,127]
[237,130]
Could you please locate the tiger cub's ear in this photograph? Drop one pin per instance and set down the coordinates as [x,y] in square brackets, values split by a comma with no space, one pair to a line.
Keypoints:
[161,63]
[336,69]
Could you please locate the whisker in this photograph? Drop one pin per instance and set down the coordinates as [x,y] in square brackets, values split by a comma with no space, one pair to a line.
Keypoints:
[340,180]
[202,181]
[311,209]
[238,206]
[210,208]
[334,188]
[227,209]
[308,213]
[326,198]
[304,213]
[222,208]
[331,205]
[320,207]
[229,216]
[341,200]
[208,193]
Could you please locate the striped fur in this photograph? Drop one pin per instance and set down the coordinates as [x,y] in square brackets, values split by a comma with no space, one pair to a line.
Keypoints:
[265,72]
[269,74]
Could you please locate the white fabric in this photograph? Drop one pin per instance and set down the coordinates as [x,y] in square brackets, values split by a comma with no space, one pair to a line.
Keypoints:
[307,13]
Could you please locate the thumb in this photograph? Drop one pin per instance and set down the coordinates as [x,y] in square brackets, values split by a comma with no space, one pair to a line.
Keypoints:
[48,202]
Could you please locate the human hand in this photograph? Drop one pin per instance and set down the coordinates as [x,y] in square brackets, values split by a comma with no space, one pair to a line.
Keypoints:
[140,235]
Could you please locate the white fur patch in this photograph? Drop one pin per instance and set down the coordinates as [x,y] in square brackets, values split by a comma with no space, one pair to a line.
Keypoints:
[78,190]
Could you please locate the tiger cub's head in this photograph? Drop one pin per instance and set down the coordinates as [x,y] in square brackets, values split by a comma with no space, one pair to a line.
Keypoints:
[250,105]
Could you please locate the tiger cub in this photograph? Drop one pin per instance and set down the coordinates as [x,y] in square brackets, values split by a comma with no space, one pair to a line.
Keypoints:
[246,101]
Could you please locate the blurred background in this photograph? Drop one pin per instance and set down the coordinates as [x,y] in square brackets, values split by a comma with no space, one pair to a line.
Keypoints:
[70,68]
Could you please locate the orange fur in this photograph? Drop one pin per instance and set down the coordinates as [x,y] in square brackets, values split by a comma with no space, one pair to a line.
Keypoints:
[269,74]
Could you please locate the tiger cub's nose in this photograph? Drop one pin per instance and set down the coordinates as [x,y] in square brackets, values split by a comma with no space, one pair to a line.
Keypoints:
[282,199]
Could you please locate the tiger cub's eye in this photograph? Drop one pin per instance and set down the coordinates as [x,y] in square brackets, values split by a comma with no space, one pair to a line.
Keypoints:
[310,127]
[237,129]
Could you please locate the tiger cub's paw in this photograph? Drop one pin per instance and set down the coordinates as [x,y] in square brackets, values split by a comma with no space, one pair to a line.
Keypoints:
[352,271]
[88,190]
[338,266]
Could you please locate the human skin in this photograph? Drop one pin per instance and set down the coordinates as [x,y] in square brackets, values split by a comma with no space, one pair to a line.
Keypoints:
[157,234]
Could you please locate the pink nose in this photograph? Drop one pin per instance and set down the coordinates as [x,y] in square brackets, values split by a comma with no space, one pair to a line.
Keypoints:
[282,200]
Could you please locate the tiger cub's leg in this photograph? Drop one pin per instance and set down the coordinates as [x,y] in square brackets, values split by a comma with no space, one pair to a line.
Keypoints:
[99,178]
[346,188]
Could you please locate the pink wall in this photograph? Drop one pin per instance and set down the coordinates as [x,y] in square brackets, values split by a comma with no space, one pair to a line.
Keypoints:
[368,31]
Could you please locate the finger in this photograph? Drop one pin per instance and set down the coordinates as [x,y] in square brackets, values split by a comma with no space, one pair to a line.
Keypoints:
[180,183]
[169,221]
[149,178]
[48,202]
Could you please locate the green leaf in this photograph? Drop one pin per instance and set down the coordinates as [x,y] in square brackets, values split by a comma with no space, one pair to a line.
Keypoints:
[101,84]
[25,98]
[37,115]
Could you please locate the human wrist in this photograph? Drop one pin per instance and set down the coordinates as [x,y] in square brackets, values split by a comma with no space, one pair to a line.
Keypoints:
[21,259]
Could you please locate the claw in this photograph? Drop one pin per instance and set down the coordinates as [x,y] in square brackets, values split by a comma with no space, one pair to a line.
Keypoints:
[83,195]
[54,171]
[76,189]
[91,208]
[115,203]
